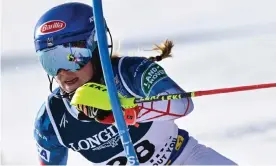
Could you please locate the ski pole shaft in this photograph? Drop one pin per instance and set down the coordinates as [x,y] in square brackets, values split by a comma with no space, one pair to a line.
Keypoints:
[203,93]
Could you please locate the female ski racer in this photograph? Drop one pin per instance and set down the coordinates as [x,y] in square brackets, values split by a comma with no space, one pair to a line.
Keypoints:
[66,45]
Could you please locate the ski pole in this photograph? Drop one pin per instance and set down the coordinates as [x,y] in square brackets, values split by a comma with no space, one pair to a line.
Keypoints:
[203,93]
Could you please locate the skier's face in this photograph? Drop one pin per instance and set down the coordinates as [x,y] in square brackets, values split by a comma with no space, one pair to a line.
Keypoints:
[70,81]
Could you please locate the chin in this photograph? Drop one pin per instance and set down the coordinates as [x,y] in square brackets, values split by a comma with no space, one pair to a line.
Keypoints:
[70,89]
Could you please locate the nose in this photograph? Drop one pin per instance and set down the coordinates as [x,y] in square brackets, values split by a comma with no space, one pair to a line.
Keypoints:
[63,72]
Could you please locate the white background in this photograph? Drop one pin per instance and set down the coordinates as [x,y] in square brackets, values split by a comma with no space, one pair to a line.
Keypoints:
[217,44]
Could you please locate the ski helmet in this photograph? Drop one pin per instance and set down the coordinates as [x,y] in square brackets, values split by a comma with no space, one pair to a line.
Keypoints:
[57,37]
[63,24]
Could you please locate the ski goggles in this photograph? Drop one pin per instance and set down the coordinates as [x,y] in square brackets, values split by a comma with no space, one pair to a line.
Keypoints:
[65,57]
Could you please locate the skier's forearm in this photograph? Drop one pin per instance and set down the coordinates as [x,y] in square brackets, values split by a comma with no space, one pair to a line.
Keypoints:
[164,110]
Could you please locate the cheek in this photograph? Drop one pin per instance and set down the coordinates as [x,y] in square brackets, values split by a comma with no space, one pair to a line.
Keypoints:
[86,73]
[57,78]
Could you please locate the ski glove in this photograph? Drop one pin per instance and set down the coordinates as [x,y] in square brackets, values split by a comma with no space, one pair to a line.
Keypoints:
[93,100]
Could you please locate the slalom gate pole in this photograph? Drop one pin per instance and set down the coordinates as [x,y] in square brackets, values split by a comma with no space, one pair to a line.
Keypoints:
[110,83]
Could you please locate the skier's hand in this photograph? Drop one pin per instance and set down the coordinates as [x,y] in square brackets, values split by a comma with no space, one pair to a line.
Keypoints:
[93,100]
[106,116]
[96,95]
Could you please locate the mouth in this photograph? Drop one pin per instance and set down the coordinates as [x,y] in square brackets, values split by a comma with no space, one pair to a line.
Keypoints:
[72,81]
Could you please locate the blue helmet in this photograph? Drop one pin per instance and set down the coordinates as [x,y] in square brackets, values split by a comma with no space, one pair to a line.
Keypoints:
[64,23]
[64,38]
